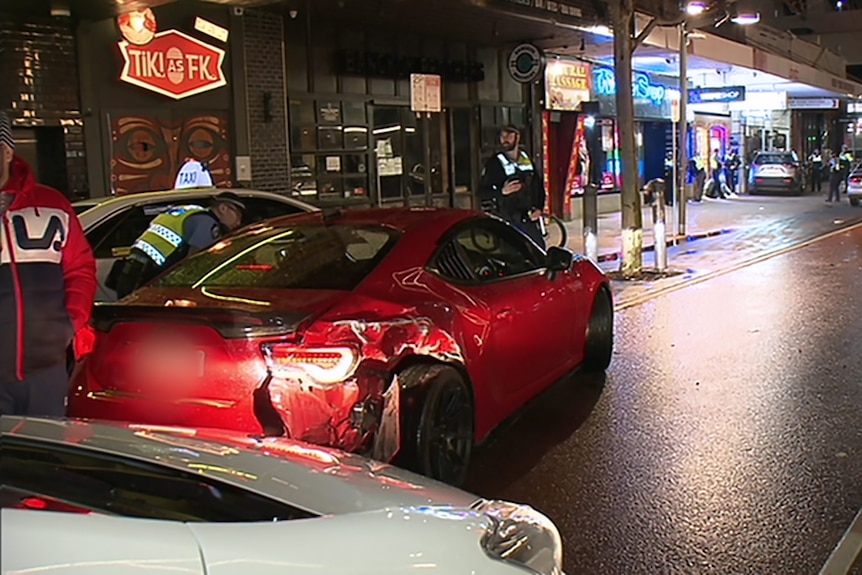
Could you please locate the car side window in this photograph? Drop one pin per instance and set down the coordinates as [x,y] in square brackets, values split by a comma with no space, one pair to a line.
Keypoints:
[128,227]
[84,480]
[259,209]
[486,251]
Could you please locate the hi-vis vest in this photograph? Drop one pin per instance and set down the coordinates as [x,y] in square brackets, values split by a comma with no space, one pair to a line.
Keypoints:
[165,234]
[511,168]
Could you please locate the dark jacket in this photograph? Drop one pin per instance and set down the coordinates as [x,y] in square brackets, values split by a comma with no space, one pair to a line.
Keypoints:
[513,207]
[47,277]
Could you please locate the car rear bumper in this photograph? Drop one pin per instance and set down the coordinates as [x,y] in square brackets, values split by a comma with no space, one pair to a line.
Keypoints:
[344,417]
[776,184]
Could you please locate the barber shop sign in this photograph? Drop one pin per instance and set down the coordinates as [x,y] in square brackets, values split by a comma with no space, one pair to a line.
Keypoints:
[173,64]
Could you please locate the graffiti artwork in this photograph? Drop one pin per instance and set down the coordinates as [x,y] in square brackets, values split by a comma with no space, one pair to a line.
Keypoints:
[148,150]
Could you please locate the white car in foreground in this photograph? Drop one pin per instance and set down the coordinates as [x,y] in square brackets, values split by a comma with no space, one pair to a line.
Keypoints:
[122,499]
[113,224]
[854,186]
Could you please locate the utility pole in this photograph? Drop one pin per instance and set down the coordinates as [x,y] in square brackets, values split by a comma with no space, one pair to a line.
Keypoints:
[622,23]
[682,176]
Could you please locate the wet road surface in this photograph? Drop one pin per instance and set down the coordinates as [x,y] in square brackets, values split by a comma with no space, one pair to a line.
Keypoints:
[725,438]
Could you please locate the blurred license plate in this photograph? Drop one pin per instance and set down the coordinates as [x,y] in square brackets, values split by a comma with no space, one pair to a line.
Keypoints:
[170,361]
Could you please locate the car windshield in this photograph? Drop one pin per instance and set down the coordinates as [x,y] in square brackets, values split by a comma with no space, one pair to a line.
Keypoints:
[774,159]
[318,257]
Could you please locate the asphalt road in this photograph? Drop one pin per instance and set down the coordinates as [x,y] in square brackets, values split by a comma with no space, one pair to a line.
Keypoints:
[726,437]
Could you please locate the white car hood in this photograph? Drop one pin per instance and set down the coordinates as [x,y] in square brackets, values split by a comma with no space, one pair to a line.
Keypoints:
[316,479]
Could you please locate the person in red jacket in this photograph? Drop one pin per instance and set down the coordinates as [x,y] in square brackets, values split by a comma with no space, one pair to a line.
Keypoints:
[47,288]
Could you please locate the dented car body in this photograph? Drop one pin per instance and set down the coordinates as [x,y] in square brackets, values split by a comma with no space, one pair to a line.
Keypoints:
[402,334]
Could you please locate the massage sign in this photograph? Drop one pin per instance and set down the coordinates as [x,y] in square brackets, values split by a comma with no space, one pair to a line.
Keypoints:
[173,64]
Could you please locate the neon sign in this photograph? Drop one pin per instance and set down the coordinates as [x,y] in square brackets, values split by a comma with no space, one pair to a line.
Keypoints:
[642,87]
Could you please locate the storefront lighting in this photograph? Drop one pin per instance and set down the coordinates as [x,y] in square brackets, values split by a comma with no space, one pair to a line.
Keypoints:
[590,122]
[555,68]
[601,30]
[695,8]
[746,18]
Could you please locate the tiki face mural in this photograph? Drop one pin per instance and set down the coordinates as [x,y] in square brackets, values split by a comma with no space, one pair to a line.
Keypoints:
[148,150]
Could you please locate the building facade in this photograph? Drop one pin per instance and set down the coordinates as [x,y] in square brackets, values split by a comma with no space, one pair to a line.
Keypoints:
[268,99]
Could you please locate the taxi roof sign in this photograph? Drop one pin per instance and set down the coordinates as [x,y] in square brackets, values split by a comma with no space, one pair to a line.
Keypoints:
[193,174]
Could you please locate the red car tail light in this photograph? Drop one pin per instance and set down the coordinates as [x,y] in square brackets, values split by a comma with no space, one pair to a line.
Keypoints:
[325,366]
[856,180]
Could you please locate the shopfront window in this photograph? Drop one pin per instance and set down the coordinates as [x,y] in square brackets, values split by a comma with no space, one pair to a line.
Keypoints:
[329,145]
[410,152]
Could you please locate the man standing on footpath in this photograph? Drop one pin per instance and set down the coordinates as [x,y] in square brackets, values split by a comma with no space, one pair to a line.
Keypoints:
[512,189]
[47,287]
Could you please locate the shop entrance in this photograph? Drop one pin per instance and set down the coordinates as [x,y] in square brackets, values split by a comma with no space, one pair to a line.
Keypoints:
[412,157]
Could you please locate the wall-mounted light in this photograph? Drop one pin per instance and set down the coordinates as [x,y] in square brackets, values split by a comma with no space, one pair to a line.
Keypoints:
[746,18]
[60,9]
[695,8]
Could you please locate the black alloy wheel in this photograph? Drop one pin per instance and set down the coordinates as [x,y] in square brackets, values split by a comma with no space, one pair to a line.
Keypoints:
[439,444]
[599,347]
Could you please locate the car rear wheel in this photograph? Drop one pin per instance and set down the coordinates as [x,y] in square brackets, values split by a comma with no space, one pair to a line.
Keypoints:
[854,201]
[437,423]
[600,334]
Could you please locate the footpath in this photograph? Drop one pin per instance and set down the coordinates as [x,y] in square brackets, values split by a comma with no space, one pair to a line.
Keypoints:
[720,236]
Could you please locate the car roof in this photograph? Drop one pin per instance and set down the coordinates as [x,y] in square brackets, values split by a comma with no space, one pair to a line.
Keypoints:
[111,205]
[404,220]
[316,479]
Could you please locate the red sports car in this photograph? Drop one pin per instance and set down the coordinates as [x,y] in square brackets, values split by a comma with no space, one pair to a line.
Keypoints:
[405,334]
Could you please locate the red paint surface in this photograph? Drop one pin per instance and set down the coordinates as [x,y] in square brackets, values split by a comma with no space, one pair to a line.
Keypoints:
[512,338]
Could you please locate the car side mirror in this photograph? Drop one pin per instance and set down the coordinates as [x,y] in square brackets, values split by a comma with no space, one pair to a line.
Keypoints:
[560,259]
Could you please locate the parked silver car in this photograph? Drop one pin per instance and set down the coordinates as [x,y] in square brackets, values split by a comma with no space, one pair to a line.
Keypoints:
[854,186]
[775,172]
[123,499]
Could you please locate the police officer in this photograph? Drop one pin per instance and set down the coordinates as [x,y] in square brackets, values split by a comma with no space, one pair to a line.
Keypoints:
[845,162]
[512,189]
[175,234]
[816,162]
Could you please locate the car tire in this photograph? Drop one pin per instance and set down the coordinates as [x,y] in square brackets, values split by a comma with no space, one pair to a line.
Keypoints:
[599,347]
[437,431]
[854,202]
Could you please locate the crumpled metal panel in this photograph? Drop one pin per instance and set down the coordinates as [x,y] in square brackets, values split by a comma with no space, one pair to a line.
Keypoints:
[350,414]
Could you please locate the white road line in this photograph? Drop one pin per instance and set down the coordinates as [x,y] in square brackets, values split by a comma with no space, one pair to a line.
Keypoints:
[638,300]
[845,554]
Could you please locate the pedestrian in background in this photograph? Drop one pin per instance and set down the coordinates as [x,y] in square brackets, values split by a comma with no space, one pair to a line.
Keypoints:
[836,176]
[47,287]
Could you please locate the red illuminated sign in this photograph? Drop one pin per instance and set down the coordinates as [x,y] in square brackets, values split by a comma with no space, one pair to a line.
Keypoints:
[173,64]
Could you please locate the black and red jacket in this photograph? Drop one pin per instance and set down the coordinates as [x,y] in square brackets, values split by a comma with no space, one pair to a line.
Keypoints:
[47,278]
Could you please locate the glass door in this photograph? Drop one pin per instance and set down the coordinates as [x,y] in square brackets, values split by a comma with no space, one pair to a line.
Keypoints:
[412,158]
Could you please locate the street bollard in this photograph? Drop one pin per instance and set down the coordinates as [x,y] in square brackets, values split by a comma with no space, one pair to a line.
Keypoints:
[655,197]
[591,222]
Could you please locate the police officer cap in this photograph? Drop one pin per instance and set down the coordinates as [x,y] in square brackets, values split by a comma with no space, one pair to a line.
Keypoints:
[229,198]
[510,129]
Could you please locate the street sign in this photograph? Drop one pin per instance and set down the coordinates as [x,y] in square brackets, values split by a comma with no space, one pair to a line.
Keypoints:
[525,63]
[426,93]
[813,103]
[173,64]
[721,95]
